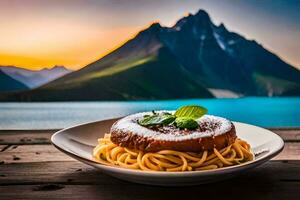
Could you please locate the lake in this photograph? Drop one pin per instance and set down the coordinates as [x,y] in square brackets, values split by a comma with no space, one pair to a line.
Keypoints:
[266,112]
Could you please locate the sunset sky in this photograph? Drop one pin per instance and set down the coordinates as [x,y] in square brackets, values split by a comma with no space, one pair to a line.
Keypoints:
[73,33]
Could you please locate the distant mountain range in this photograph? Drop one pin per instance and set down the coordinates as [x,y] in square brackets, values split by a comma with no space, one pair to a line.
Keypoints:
[193,59]
[8,84]
[33,79]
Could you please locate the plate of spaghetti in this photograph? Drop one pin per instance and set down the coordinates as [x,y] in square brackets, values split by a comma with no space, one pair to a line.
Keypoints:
[182,147]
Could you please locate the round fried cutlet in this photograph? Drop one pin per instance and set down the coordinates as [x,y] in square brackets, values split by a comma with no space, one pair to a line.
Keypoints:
[213,132]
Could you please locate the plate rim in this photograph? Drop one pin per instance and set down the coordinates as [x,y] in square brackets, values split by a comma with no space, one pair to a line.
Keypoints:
[243,166]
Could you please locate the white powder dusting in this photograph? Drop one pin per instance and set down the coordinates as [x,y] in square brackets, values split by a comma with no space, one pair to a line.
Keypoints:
[129,124]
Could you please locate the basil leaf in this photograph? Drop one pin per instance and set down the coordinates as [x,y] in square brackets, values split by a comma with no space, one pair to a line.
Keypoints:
[192,111]
[158,119]
[186,122]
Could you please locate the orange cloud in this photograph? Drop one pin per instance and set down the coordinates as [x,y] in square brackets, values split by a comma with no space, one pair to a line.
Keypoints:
[32,46]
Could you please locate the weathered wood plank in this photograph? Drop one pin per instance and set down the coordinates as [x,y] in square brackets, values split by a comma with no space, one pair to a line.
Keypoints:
[9,132]
[276,179]
[72,172]
[259,191]
[67,172]
[31,153]
[288,134]
[45,153]
[291,151]
[43,136]
[39,171]
[26,137]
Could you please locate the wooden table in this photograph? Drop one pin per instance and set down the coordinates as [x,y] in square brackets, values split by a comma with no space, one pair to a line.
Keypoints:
[31,168]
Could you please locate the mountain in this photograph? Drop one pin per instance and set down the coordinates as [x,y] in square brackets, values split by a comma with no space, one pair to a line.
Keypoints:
[8,84]
[221,59]
[33,79]
[193,59]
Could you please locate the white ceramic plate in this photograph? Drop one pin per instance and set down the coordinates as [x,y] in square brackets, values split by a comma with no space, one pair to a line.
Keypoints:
[79,141]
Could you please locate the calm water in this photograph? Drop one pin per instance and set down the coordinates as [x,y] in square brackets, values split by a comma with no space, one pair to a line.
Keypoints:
[267,112]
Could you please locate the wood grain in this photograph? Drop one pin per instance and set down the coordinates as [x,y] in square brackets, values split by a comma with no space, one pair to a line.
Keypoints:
[265,190]
[26,137]
[274,180]
[288,134]
[31,153]
[31,168]
[291,151]
[73,172]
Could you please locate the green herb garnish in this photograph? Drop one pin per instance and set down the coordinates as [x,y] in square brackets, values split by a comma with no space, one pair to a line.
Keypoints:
[192,111]
[184,117]
[186,123]
[157,119]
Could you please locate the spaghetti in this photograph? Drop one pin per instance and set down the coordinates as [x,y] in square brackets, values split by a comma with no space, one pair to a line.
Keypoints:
[109,153]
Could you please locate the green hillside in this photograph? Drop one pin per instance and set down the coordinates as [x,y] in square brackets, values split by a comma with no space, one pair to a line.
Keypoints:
[155,77]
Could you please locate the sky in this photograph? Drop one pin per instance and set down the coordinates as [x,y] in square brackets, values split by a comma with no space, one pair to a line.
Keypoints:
[35,34]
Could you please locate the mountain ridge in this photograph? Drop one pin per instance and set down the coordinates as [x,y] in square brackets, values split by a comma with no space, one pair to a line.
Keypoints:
[8,84]
[34,78]
[200,54]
